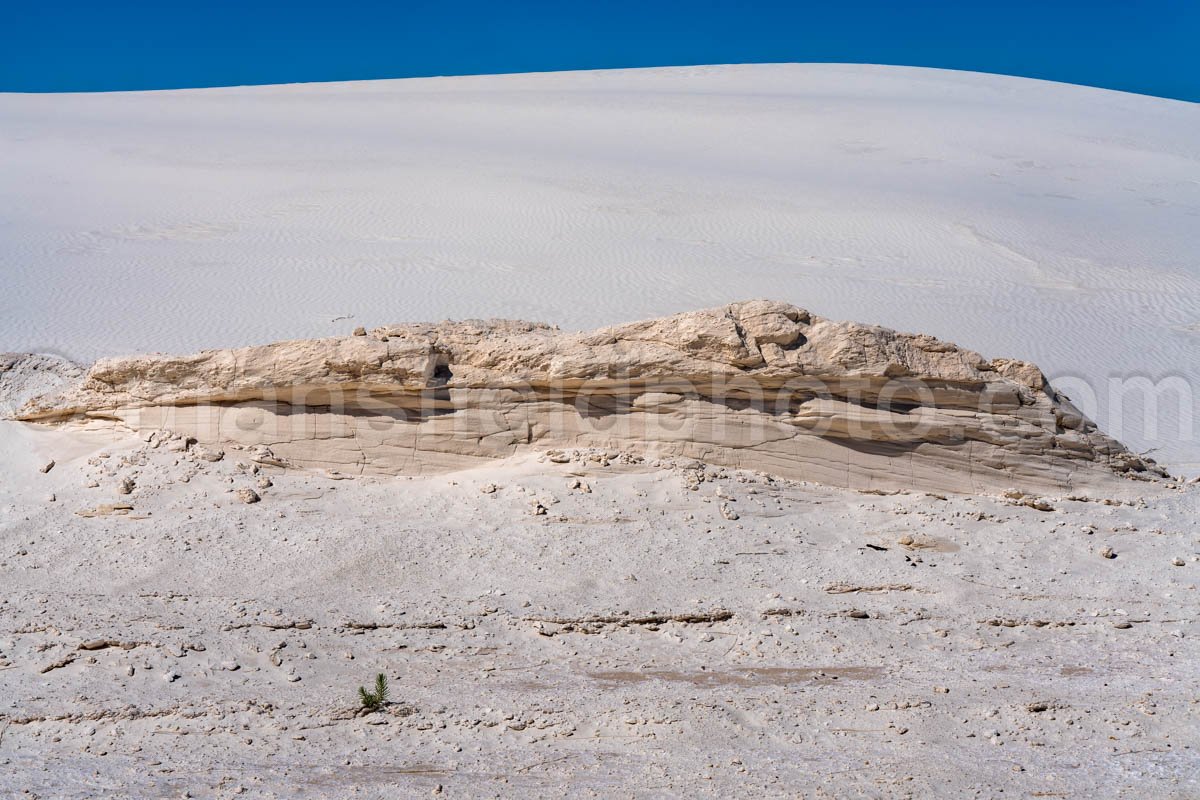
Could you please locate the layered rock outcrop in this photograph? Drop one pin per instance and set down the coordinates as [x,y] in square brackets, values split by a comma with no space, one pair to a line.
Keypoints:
[759,385]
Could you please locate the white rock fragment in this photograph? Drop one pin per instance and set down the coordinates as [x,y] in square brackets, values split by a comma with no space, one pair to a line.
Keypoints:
[208,454]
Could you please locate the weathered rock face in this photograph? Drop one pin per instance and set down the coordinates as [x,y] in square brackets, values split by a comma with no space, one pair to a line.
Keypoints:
[27,375]
[757,385]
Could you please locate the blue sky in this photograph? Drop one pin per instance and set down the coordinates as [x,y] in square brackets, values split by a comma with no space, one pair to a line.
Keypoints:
[1148,47]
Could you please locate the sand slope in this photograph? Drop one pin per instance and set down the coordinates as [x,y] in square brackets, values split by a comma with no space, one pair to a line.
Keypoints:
[1054,223]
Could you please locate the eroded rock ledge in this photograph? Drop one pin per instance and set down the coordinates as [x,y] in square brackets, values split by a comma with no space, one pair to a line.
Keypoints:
[757,385]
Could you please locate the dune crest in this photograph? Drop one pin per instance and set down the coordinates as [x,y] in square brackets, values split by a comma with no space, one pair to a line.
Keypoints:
[754,385]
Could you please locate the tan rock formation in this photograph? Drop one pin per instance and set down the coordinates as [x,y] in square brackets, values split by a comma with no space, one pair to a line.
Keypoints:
[758,385]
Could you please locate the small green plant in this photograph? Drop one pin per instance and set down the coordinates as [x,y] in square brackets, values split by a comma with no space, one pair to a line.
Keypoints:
[373,701]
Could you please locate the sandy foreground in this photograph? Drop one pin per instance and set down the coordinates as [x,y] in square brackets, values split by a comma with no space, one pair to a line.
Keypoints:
[593,622]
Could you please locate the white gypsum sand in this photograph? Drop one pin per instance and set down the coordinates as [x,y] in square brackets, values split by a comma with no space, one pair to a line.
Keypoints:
[579,623]
[183,618]
[1054,223]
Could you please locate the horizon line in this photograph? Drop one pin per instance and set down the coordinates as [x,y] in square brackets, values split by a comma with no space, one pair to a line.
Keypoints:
[320,81]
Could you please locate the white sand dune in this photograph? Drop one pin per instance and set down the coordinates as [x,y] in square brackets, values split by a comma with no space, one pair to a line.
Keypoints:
[186,621]
[1048,222]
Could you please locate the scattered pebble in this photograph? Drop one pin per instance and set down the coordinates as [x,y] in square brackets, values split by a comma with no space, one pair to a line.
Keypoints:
[247,495]
[208,454]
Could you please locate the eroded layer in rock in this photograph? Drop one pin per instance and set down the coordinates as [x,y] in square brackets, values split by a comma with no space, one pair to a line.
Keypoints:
[757,385]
